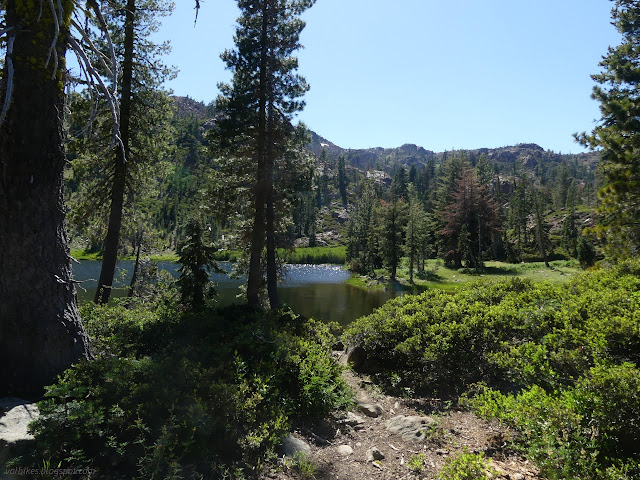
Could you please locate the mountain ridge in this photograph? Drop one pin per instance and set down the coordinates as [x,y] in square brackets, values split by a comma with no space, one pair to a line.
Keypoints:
[380,158]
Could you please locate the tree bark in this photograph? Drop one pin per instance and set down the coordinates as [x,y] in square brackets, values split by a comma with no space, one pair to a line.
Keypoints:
[41,333]
[112,239]
[255,275]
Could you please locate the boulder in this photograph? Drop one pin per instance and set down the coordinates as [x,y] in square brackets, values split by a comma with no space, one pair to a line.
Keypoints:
[353,420]
[374,454]
[15,416]
[345,450]
[356,356]
[412,428]
[292,446]
[373,410]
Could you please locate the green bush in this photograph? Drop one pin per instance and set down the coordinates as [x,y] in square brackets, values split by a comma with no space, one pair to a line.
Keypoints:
[465,466]
[182,395]
[558,363]
[582,432]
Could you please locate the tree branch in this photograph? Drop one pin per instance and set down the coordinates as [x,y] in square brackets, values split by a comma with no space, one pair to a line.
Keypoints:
[54,41]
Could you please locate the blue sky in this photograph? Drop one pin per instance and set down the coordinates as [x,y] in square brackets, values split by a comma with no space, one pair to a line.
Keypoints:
[440,74]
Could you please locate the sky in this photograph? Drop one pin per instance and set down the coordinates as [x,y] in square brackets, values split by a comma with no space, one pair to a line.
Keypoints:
[445,75]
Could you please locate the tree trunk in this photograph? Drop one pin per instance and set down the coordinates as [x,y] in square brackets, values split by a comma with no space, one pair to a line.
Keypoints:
[111,242]
[272,264]
[539,232]
[136,267]
[41,333]
[255,275]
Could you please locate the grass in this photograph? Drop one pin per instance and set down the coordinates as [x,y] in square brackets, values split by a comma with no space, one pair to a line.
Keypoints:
[438,276]
[303,255]
[167,256]
[315,255]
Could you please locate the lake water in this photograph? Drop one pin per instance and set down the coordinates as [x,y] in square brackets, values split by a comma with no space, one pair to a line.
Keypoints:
[316,291]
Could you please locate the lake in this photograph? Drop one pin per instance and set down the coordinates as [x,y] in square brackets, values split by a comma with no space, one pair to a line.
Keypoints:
[316,291]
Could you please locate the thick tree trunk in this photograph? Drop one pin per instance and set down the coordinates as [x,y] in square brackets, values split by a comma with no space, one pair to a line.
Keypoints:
[272,263]
[41,333]
[112,240]
[255,275]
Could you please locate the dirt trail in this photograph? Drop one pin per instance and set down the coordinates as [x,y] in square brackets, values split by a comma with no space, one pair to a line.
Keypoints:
[342,450]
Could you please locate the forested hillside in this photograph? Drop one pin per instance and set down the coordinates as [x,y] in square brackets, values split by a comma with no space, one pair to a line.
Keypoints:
[539,201]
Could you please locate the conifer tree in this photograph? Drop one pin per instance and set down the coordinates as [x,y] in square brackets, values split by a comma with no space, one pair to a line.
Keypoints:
[618,134]
[41,333]
[196,262]
[108,188]
[393,218]
[472,207]
[415,232]
[343,181]
[254,128]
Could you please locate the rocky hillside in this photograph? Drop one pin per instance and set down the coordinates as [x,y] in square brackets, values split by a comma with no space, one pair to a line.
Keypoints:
[529,155]
[526,154]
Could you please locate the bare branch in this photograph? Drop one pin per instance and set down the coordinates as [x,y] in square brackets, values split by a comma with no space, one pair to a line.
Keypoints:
[54,41]
[112,52]
[95,79]
[5,31]
[92,47]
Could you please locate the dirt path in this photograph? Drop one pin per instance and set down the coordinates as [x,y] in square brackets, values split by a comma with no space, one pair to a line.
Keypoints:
[412,440]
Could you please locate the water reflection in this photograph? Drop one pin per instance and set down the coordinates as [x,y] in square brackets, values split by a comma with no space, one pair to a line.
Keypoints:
[316,291]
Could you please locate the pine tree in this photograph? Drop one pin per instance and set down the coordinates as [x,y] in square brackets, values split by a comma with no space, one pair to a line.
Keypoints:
[254,128]
[393,218]
[196,262]
[108,190]
[343,181]
[569,228]
[399,184]
[415,231]
[519,210]
[542,237]
[618,135]
[471,206]
[41,333]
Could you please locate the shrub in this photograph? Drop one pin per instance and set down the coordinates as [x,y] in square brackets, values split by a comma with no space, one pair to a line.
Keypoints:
[557,363]
[182,395]
[466,466]
[581,432]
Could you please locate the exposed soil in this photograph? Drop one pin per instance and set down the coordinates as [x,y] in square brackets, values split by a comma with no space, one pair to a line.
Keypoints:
[453,432]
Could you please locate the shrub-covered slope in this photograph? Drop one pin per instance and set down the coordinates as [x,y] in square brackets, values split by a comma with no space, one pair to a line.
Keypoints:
[557,363]
[179,395]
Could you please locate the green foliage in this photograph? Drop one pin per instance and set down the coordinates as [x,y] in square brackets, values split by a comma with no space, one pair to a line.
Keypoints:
[315,255]
[559,364]
[197,260]
[302,464]
[416,462]
[584,431]
[586,252]
[617,135]
[172,395]
[466,466]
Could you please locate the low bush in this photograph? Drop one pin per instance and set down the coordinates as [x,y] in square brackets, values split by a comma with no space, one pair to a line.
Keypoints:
[588,431]
[558,363]
[187,395]
[466,466]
